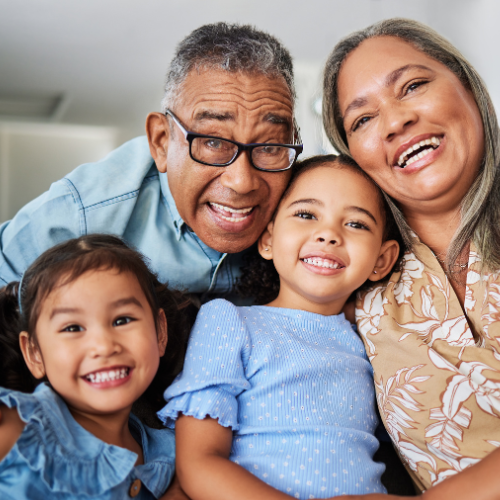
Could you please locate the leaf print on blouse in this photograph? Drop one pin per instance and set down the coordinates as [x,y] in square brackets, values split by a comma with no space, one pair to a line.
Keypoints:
[412,270]
[434,327]
[369,315]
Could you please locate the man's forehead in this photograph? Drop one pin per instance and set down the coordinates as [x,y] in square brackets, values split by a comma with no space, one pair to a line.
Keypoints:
[224,96]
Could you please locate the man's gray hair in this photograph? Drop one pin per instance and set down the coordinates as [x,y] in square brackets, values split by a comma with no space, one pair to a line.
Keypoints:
[227,47]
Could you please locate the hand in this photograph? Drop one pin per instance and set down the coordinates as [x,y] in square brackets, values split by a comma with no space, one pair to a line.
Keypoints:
[174,491]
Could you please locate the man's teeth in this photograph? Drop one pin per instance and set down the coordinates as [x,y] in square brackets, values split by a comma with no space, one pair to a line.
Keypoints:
[322,263]
[233,211]
[425,147]
[99,377]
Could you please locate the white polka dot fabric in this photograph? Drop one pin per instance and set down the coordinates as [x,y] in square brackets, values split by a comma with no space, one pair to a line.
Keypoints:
[295,387]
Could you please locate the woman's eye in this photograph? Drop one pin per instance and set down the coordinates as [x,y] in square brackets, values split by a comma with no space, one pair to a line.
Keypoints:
[123,320]
[414,86]
[357,225]
[72,328]
[360,122]
[304,215]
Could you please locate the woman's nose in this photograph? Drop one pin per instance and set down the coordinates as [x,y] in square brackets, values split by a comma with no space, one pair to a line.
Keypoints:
[397,119]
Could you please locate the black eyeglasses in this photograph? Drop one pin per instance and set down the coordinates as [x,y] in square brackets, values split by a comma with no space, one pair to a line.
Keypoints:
[219,152]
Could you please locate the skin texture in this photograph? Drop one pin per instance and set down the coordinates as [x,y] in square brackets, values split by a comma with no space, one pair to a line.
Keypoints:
[394,111]
[331,213]
[99,321]
[394,108]
[203,446]
[241,107]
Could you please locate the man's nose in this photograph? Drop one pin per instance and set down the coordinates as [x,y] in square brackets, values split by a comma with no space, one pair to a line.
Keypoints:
[397,118]
[240,176]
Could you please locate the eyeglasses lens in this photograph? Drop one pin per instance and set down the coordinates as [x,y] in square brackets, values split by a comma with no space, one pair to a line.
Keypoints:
[221,152]
[273,157]
[213,151]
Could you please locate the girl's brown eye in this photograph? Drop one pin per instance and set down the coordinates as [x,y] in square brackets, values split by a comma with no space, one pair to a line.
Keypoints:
[73,328]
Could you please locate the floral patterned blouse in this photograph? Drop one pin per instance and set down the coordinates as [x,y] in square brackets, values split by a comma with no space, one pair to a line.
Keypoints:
[437,371]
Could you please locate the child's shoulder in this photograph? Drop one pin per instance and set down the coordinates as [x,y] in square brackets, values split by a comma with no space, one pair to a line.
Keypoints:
[11,427]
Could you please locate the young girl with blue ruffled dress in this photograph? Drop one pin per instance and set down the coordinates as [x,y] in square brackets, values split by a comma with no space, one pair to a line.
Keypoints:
[277,400]
[93,323]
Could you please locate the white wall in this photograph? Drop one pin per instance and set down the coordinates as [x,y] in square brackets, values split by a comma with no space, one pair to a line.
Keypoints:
[33,155]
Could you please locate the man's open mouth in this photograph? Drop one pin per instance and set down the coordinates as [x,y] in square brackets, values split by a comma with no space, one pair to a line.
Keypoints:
[98,377]
[325,263]
[231,214]
[418,151]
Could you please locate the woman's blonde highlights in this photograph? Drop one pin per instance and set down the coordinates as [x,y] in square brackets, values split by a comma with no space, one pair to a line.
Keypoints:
[480,210]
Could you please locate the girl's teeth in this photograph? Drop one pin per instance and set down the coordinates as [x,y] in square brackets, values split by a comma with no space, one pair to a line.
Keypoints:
[99,377]
[322,263]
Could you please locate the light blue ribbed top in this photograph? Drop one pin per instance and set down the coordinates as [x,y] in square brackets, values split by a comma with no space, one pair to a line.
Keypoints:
[297,390]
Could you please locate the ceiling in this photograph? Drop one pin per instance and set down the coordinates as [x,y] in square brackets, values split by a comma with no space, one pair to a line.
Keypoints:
[103,61]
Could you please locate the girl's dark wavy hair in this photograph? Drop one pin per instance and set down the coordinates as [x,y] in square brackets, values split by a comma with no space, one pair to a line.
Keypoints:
[64,264]
[260,280]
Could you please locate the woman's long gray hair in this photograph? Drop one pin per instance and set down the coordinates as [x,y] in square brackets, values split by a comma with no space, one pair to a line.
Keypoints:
[480,210]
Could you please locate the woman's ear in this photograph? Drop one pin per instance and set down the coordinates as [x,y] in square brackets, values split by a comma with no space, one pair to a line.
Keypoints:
[388,256]
[162,333]
[158,132]
[265,243]
[32,356]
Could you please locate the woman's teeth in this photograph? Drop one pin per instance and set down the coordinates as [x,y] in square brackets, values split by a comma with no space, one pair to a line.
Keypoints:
[232,213]
[329,264]
[99,377]
[417,151]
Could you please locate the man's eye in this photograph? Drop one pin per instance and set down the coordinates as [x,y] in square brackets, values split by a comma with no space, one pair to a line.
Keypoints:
[122,320]
[72,328]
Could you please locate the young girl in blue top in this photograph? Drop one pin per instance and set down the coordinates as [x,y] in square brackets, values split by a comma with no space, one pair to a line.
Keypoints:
[93,323]
[277,401]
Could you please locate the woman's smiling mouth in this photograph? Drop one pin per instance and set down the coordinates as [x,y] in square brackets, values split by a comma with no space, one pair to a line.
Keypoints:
[416,149]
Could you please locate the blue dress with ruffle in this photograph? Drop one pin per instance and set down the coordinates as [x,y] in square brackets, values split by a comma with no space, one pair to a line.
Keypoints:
[56,458]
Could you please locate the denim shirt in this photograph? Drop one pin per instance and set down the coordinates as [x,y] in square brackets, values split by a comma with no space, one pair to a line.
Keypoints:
[57,458]
[125,195]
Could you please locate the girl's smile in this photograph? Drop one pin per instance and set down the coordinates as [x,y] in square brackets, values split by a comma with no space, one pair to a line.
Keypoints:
[97,341]
[327,239]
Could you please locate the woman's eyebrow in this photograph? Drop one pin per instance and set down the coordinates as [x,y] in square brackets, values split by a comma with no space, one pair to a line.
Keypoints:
[363,211]
[390,80]
[307,201]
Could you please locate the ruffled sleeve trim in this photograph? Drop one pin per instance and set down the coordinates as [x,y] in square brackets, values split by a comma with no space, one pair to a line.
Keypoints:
[69,458]
[214,402]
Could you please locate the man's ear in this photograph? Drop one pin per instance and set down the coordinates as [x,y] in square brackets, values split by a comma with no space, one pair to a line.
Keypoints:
[265,243]
[388,256]
[162,333]
[32,356]
[158,132]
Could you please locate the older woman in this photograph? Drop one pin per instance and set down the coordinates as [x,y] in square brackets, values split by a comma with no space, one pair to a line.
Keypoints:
[415,115]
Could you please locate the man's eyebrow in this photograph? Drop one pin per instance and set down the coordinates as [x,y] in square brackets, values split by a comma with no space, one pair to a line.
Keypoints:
[355,208]
[278,119]
[391,79]
[307,201]
[208,114]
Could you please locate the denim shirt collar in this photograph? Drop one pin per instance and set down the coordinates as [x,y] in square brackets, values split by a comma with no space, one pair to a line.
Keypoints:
[171,206]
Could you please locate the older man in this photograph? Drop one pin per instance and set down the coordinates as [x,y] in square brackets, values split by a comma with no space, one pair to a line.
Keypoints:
[205,182]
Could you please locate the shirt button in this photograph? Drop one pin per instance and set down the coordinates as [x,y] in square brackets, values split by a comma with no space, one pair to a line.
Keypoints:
[135,488]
